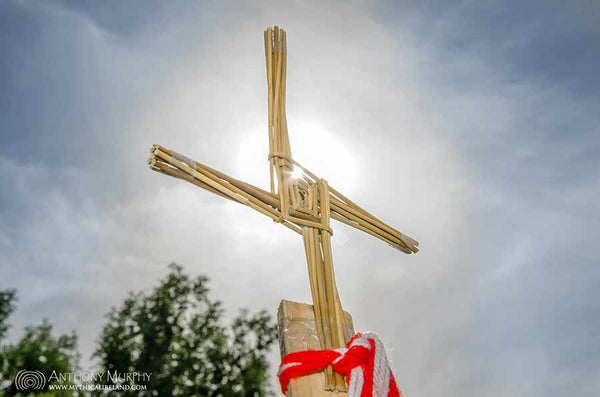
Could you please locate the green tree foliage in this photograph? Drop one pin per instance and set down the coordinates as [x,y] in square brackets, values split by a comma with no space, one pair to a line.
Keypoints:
[174,332]
[37,350]
[7,306]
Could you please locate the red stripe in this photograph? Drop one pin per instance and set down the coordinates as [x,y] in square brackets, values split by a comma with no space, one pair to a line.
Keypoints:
[393,391]
[310,361]
[368,366]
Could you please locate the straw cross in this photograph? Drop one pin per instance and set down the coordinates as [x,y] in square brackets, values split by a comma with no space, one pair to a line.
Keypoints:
[297,199]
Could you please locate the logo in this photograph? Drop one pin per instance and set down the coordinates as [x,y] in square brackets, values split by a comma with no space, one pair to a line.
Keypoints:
[30,380]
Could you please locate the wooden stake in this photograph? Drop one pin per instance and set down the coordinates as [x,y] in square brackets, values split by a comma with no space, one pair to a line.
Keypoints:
[297,332]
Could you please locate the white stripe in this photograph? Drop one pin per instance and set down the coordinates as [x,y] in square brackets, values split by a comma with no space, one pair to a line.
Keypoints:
[287,366]
[357,381]
[362,341]
[342,352]
[381,368]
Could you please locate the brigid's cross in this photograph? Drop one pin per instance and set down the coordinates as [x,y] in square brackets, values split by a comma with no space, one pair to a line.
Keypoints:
[298,199]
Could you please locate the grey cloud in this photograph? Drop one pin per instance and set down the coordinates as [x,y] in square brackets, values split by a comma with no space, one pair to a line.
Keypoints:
[461,130]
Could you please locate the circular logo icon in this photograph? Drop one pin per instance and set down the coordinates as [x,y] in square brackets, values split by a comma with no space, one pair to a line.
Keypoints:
[30,380]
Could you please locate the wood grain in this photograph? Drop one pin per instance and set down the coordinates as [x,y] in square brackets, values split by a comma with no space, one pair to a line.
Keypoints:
[297,330]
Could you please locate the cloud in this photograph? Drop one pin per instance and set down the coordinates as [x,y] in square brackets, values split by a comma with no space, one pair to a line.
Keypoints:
[454,124]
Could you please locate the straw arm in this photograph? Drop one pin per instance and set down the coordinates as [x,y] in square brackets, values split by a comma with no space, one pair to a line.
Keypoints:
[341,205]
[174,164]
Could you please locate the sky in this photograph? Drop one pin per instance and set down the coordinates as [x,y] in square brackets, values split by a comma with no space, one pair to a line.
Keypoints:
[473,127]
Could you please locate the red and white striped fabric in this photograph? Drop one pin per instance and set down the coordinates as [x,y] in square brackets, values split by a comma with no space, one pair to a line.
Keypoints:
[363,363]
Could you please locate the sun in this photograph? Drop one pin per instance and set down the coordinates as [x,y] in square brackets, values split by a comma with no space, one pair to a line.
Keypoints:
[324,153]
[297,173]
[314,147]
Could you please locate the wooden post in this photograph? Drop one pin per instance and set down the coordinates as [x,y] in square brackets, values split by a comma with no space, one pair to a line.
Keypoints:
[297,331]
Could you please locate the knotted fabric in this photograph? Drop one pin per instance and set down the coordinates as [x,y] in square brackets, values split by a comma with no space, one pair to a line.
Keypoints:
[363,363]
